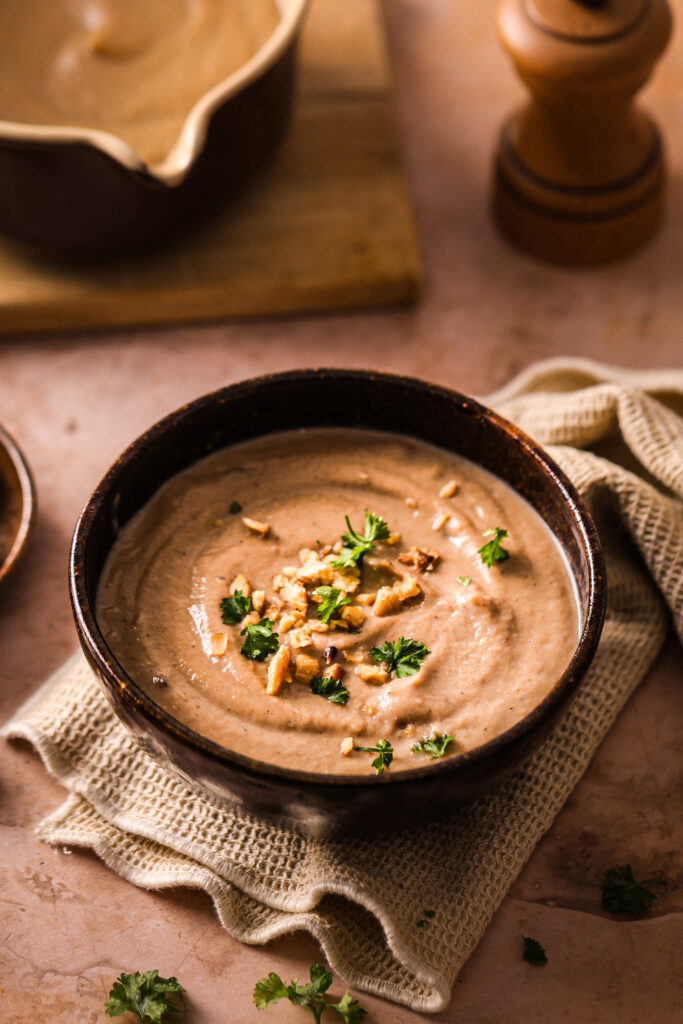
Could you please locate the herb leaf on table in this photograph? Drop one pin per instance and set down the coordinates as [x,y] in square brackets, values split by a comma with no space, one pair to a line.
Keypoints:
[533,952]
[310,995]
[621,892]
[143,994]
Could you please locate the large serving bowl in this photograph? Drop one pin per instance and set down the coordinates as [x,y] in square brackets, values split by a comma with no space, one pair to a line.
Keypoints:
[318,398]
[80,191]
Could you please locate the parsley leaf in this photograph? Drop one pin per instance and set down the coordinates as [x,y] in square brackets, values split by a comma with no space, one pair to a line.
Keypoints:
[260,640]
[143,994]
[492,551]
[235,507]
[402,656]
[464,581]
[310,995]
[234,608]
[355,546]
[385,755]
[435,746]
[621,892]
[331,689]
[534,952]
[331,603]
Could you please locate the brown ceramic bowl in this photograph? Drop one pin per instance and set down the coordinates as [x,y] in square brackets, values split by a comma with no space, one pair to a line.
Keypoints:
[313,398]
[17,503]
[80,191]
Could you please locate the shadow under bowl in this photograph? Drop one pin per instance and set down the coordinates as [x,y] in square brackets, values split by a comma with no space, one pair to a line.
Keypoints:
[329,804]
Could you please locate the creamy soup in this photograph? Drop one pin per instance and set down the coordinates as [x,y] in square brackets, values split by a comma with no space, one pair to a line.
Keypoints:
[242,601]
[132,67]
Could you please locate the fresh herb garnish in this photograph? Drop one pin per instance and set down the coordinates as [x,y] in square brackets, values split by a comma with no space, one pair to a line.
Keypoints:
[260,640]
[464,581]
[355,546]
[143,994]
[235,507]
[492,551]
[403,656]
[385,755]
[331,603]
[234,608]
[311,995]
[621,892]
[534,952]
[435,746]
[331,689]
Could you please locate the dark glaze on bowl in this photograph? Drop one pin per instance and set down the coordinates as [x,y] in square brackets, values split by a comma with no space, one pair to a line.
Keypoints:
[79,192]
[334,398]
[17,503]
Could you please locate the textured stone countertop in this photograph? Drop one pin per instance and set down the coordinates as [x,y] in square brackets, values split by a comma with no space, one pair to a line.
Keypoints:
[67,924]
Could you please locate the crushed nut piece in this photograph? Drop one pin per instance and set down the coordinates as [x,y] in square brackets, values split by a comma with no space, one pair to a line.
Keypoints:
[370,709]
[277,669]
[440,521]
[338,624]
[315,571]
[363,476]
[353,656]
[376,674]
[448,490]
[346,746]
[219,644]
[258,600]
[365,598]
[354,616]
[295,594]
[393,538]
[291,571]
[335,672]
[299,637]
[241,583]
[389,599]
[307,555]
[218,522]
[256,526]
[423,559]
[251,619]
[288,621]
[411,503]
[306,666]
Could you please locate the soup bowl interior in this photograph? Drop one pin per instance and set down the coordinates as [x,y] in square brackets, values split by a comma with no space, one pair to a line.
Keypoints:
[325,804]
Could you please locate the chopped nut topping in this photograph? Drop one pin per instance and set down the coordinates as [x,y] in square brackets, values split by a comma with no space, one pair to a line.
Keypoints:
[251,619]
[363,476]
[316,571]
[346,746]
[218,522]
[366,598]
[306,666]
[354,616]
[256,526]
[376,674]
[422,559]
[390,599]
[440,521]
[277,669]
[219,644]
[393,538]
[448,490]
[335,672]
[288,621]
[411,503]
[295,594]
[299,637]
[353,656]
[240,583]
[307,555]
[258,600]
[370,709]
[338,624]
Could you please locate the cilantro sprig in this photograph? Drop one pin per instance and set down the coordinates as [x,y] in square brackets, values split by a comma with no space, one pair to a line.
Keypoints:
[385,755]
[331,689]
[331,604]
[533,952]
[311,995]
[260,640]
[234,608]
[435,746]
[621,892]
[355,545]
[143,994]
[403,657]
[493,551]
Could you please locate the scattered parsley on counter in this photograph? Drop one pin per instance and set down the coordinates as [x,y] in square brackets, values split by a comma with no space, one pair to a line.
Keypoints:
[621,892]
[234,608]
[493,551]
[356,546]
[403,657]
[143,994]
[260,640]
[533,952]
[310,995]
[235,507]
[331,603]
[331,689]
[435,746]
[385,755]
[464,581]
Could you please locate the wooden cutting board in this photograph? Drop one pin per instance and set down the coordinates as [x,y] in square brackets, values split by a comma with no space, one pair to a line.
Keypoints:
[327,225]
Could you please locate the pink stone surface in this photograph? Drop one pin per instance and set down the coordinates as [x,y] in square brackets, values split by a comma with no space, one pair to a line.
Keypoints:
[67,924]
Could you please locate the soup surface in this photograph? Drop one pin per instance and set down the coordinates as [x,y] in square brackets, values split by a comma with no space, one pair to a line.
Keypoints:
[244,604]
[132,67]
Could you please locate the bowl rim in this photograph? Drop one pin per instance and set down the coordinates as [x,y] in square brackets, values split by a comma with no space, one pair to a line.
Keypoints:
[28,502]
[107,665]
[178,162]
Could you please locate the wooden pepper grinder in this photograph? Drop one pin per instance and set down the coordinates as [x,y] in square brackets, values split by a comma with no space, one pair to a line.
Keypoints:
[579,171]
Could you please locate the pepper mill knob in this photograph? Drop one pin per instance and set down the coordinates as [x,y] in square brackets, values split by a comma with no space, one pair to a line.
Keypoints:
[579,170]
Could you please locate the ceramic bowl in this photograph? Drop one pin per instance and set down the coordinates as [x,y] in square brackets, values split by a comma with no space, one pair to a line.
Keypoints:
[80,191]
[17,503]
[312,398]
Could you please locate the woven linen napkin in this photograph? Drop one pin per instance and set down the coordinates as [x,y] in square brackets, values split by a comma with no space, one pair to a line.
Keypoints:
[361,899]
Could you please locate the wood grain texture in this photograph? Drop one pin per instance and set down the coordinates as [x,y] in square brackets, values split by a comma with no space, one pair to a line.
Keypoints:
[327,225]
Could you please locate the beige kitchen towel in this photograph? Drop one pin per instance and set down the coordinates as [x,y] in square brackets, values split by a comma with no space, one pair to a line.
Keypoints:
[619,436]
